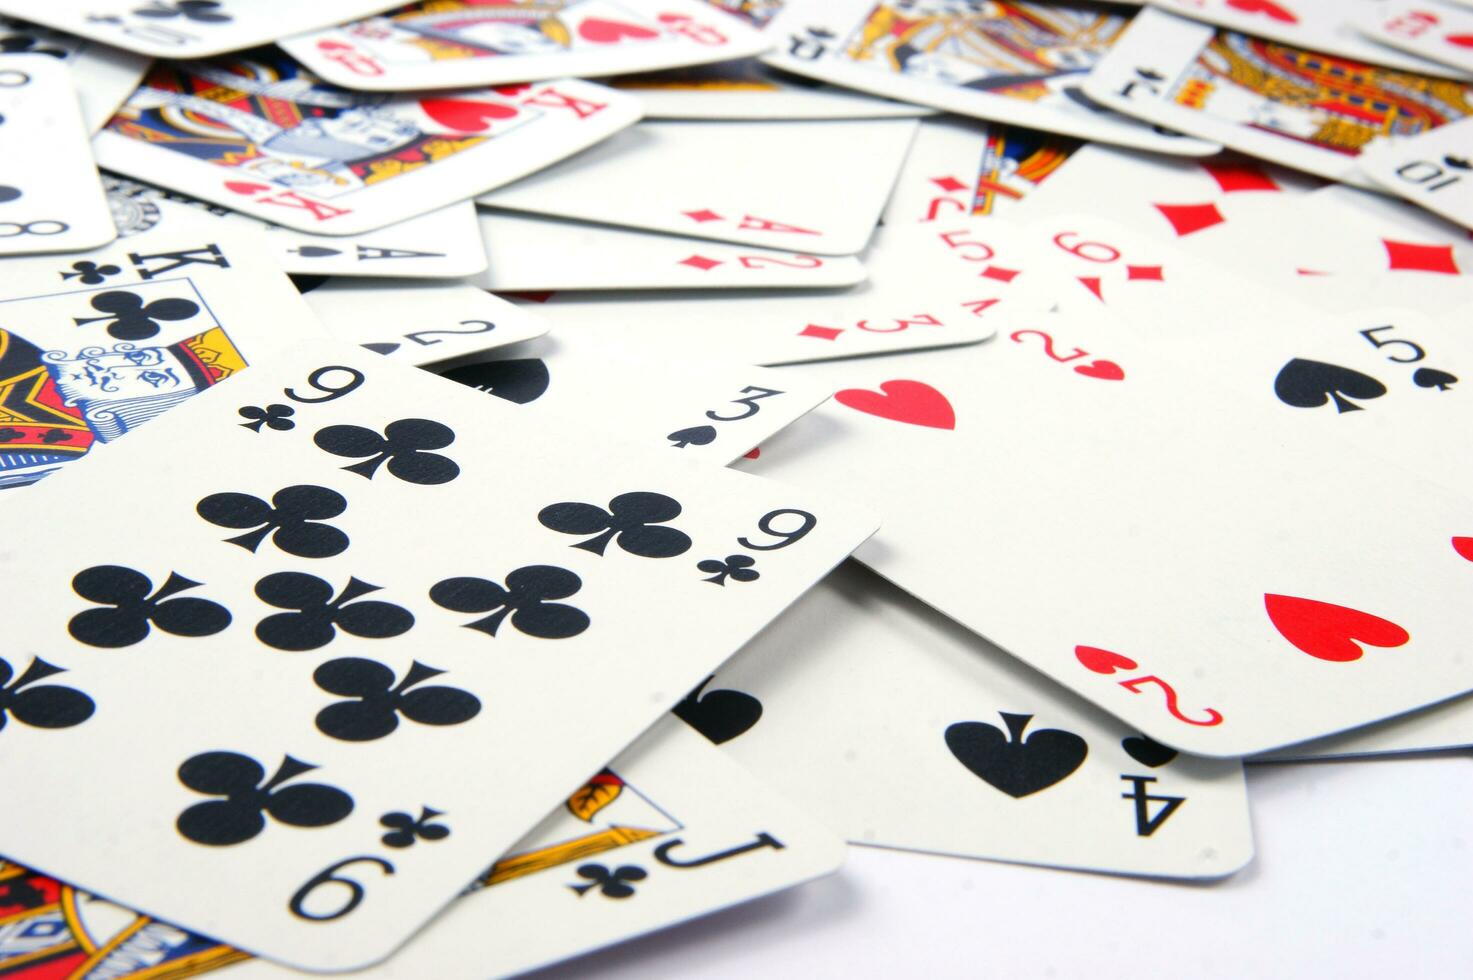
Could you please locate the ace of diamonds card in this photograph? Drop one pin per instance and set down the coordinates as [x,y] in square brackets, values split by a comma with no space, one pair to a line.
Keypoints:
[217,706]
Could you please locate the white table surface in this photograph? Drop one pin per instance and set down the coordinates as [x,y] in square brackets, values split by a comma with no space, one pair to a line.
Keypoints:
[1364,870]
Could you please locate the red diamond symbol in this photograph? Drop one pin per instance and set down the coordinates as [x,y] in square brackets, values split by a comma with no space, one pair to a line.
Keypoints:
[822,333]
[754,452]
[1422,258]
[1239,175]
[948,184]
[1092,283]
[1189,218]
[1000,274]
[703,215]
[1151,272]
[700,262]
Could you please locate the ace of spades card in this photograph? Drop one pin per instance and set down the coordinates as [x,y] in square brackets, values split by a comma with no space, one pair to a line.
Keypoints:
[188,28]
[438,45]
[257,133]
[375,579]
[443,243]
[1196,564]
[918,734]
[94,345]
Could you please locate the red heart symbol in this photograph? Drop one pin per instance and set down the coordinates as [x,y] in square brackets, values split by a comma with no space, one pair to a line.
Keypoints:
[245,187]
[601,31]
[1102,369]
[903,401]
[1460,40]
[465,115]
[1328,631]
[333,46]
[1264,7]
[1103,661]
[1464,547]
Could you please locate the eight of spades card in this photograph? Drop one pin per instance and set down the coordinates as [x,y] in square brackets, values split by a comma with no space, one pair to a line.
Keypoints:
[102,76]
[189,28]
[1298,107]
[671,830]
[419,323]
[377,579]
[1217,587]
[960,168]
[95,344]
[51,196]
[255,132]
[436,45]
[534,253]
[919,734]
[715,409]
[1016,63]
[815,187]
[443,243]
[933,285]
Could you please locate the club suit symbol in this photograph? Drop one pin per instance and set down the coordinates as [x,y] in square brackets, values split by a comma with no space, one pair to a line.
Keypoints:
[377,702]
[135,609]
[405,446]
[40,705]
[526,598]
[615,883]
[634,521]
[248,798]
[291,519]
[317,614]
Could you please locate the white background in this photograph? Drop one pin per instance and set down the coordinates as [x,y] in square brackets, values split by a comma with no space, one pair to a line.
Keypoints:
[1364,869]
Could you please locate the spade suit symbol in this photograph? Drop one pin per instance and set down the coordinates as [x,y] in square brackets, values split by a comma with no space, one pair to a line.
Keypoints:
[1009,762]
[520,380]
[721,715]
[1304,383]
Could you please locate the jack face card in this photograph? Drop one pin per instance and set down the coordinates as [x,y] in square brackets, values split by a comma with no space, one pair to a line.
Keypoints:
[921,735]
[928,286]
[358,618]
[463,43]
[441,244]
[802,186]
[671,830]
[95,344]
[188,28]
[420,323]
[716,410]
[259,134]
[1298,107]
[1321,25]
[1016,63]
[1433,170]
[103,76]
[1209,567]
[51,197]
[532,253]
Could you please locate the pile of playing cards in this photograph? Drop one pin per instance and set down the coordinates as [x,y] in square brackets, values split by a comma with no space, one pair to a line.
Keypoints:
[990,424]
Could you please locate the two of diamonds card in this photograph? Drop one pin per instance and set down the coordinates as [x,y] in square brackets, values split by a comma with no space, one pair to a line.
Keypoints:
[363,613]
